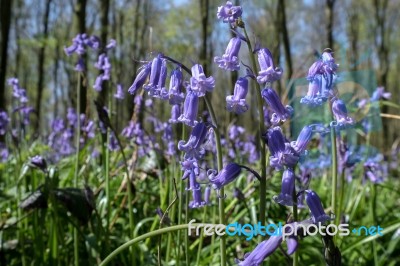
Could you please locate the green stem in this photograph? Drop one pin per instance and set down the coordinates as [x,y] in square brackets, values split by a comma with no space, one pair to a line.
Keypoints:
[201,238]
[76,174]
[180,206]
[334,171]
[295,217]
[261,129]
[221,201]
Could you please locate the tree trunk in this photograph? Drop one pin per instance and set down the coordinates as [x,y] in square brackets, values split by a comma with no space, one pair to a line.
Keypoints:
[80,12]
[329,26]
[104,10]
[382,47]
[41,60]
[5,19]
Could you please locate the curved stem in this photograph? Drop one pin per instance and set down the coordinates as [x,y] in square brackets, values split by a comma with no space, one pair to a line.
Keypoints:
[261,129]
[142,237]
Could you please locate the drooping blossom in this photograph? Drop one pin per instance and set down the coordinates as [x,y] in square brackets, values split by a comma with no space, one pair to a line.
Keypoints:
[287,189]
[282,154]
[280,112]
[237,102]
[197,201]
[316,94]
[373,171]
[140,78]
[268,73]
[314,204]
[3,152]
[155,72]
[339,111]
[261,252]
[193,147]
[229,13]
[175,94]
[175,114]
[227,175]
[380,94]
[4,120]
[38,162]
[120,92]
[300,145]
[230,59]
[199,83]
[190,109]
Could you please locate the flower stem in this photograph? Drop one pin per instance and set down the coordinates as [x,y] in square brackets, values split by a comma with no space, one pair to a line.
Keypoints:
[295,218]
[76,173]
[145,236]
[221,202]
[261,130]
[334,170]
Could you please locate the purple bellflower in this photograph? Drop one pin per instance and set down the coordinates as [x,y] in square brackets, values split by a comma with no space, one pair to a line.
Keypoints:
[120,92]
[282,154]
[197,201]
[280,112]
[140,78]
[300,145]
[317,211]
[199,83]
[207,195]
[175,94]
[373,171]
[190,109]
[230,60]
[39,162]
[161,92]
[261,252]
[316,94]
[287,190]
[3,152]
[379,94]
[339,111]
[237,102]
[193,147]
[155,72]
[229,13]
[268,71]
[292,244]
[4,120]
[189,165]
[111,44]
[227,175]
[175,114]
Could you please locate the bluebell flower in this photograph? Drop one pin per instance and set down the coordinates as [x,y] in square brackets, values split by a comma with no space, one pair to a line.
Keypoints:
[339,111]
[38,162]
[4,120]
[237,102]
[197,201]
[207,195]
[315,70]
[287,189]
[316,94]
[199,83]
[175,113]
[280,112]
[261,252]
[314,204]
[98,83]
[155,72]
[373,171]
[268,72]
[140,78]
[175,94]
[292,244]
[189,165]
[234,132]
[111,44]
[190,109]
[227,175]
[120,92]
[72,117]
[193,147]
[230,60]
[379,94]
[3,152]
[282,154]
[113,143]
[229,13]
[300,145]
[80,65]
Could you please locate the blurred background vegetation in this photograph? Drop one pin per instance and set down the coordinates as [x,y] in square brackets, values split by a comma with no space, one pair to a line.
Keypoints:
[363,35]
